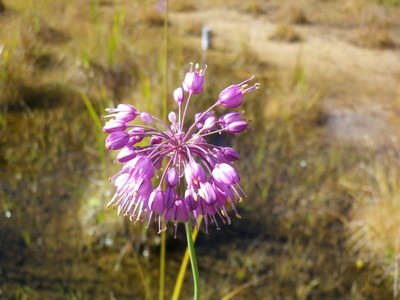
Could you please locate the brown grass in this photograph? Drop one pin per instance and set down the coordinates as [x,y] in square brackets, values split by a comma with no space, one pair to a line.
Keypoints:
[192,28]
[2,7]
[293,12]
[374,37]
[374,231]
[286,33]
[153,18]
[253,7]
[183,6]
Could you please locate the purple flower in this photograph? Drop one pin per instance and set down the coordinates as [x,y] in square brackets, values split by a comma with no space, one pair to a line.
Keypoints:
[126,154]
[232,96]
[123,112]
[200,118]
[194,80]
[174,173]
[116,140]
[233,123]
[179,97]
[146,118]
[230,154]
[114,125]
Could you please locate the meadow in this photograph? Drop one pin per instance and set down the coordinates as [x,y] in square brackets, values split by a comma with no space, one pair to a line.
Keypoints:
[321,167]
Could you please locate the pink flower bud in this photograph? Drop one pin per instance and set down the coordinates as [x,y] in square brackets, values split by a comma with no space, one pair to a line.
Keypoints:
[116,140]
[172,117]
[194,80]
[178,95]
[146,118]
[114,125]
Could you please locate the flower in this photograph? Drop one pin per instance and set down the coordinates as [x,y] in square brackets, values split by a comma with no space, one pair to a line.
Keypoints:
[179,96]
[194,80]
[169,170]
[232,96]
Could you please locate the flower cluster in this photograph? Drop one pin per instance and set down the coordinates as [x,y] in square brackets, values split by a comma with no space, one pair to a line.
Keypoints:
[170,170]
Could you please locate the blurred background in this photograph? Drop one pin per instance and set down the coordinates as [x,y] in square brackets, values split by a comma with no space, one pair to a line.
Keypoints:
[322,220]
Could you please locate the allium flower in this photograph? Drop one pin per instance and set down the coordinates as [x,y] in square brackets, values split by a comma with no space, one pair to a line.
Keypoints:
[169,170]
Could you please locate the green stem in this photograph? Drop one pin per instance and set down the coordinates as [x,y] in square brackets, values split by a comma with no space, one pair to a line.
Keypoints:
[185,261]
[193,261]
[162,264]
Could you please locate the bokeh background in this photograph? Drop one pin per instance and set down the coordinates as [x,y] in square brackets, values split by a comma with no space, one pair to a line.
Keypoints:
[321,167]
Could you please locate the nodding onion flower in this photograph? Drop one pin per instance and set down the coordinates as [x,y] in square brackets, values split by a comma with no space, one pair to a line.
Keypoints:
[174,173]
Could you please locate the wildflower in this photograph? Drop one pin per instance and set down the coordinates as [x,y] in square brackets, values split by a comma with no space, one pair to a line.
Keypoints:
[117,140]
[169,170]
[232,96]
[194,80]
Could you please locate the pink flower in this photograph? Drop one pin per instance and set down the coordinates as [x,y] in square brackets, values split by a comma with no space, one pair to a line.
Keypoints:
[174,173]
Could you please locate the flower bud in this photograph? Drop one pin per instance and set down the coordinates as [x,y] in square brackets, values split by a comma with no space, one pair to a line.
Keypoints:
[116,140]
[237,127]
[136,135]
[229,118]
[225,174]
[114,125]
[169,197]
[172,177]
[142,166]
[230,154]
[209,123]
[191,198]
[178,95]
[172,117]
[232,96]
[156,201]
[146,118]
[123,112]
[208,193]
[181,211]
[194,80]
[126,154]
[155,140]
[194,174]
[199,119]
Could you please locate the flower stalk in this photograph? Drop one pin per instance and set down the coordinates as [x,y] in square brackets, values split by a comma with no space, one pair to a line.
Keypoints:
[178,176]
[193,261]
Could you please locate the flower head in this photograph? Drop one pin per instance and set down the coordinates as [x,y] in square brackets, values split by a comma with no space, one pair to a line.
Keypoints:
[232,96]
[194,80]
[170,170]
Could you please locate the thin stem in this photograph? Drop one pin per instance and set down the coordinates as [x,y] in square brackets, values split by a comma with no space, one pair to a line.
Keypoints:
[193,261]
[212,132]
[164,113]
[179,114]
[162,263]
[185,261]
[184,112]
[198,120]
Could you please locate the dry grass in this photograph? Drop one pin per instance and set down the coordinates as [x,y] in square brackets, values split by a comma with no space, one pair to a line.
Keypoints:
[193,28]
[293,12]
[286,33]
[374,24]
[152,17]
[2,7]
[374,37]
[374,231]
[376,217]
[183,6]
[111,51]
[253,7]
